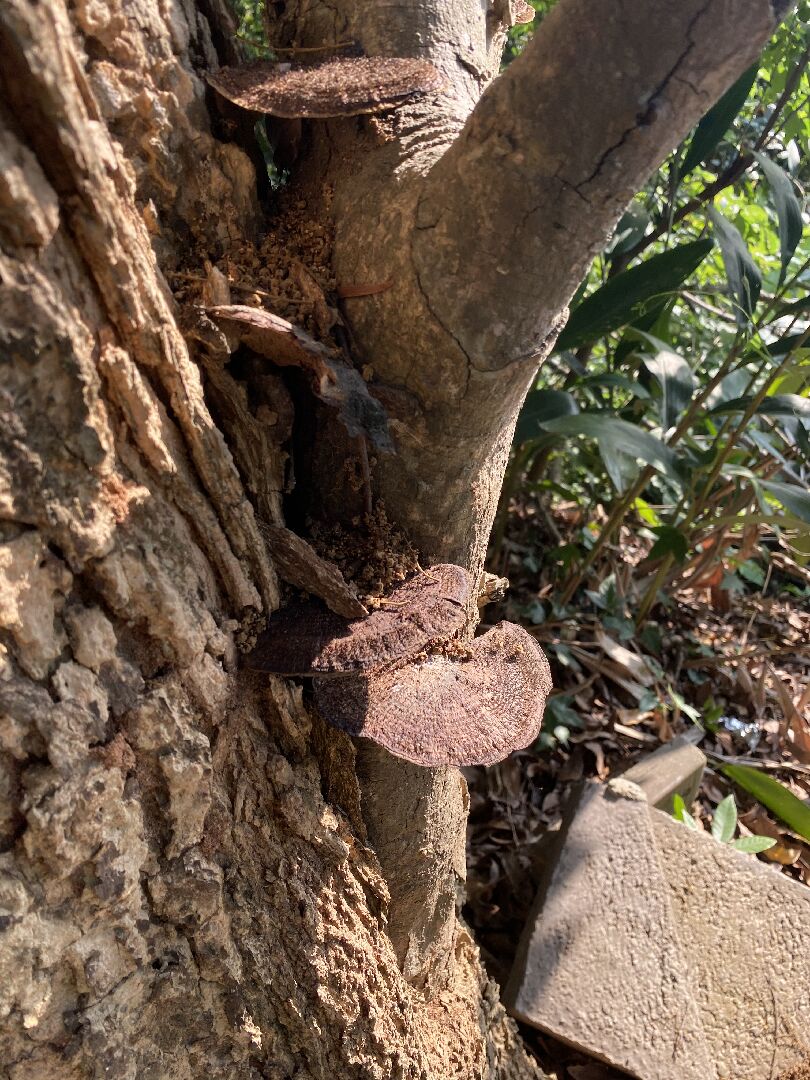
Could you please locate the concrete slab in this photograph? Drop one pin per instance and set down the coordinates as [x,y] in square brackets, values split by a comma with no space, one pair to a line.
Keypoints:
[600,965]
[746,934]
[662,951]
[676,768]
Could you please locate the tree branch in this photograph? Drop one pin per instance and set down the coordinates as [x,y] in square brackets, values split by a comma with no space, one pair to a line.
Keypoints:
[556,148]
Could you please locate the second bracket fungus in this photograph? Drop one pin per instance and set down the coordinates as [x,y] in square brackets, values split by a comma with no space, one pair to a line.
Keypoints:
[399,677]
[445,711]
[336,88]
[308,640]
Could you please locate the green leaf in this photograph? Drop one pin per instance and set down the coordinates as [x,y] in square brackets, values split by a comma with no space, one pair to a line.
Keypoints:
[621,382]
[742,272]
[539,407]
[718,120]
[632,226]
[617,438]
[794,498]
[797,343]
[753,844]
[732,386]
[775,405]
[674,376]
[646,513]
[680,813]
[773,795]
[752,572]
[616,302]
[724,822]
[559,712]
[788,209]
[671,541]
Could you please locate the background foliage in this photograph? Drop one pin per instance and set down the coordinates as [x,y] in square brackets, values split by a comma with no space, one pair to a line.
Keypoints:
[676,402]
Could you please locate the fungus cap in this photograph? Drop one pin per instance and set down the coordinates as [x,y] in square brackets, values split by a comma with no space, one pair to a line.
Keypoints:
[345,87]
[449,712]
[308,640]
[524,13]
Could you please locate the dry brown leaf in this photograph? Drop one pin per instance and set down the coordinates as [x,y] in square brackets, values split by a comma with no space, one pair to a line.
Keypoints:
[635,665]
[797,723]
[631,717]
[615,672]
[602,771]
[632,733]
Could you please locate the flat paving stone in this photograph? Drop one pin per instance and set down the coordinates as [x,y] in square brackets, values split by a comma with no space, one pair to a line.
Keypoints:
[676,768]
[601,966]
[663,952]
[746,934]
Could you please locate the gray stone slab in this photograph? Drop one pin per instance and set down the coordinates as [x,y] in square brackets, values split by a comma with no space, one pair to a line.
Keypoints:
[674,768]
[745,929]
[600,965]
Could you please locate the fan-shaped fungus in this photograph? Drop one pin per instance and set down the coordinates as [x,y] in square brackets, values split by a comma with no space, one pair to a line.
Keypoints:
[444,711]
[345,87]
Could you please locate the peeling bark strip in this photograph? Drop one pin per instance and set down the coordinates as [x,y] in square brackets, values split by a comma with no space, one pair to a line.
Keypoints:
[302,566]
[178,898]
[333,380]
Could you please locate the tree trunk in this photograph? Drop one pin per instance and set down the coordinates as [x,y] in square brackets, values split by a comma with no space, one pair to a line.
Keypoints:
[198,878]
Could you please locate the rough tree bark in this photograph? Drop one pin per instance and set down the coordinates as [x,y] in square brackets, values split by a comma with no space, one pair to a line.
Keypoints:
[195,877]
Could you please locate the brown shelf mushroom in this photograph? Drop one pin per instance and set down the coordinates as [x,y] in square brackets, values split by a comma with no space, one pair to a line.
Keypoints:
[345,87]
[308,640]
[449,712]
[524,13]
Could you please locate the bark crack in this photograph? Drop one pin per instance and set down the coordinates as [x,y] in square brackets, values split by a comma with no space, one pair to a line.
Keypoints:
[468,359]
[649,114]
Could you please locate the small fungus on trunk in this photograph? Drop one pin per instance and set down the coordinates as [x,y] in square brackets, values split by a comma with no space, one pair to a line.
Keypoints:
[445,711]
[524,13]
[345,87]
[306,639]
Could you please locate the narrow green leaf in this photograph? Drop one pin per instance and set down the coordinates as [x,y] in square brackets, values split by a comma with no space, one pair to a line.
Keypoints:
[718,120]
[674,376]
[616,303]
[619,436]
[680,813]
[752,572]
[773,795]
[621,382]
[790,343]
[540,406]
[671,541]
[618,466]
[724,822]
[794,498]
[632,226]
[775,405]
[753,844]
[788,208]
[742,272]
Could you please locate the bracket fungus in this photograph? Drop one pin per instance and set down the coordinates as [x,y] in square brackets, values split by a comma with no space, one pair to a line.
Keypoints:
[308,640]
[346,87]
[524,13]
[444,711]
[402,687]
